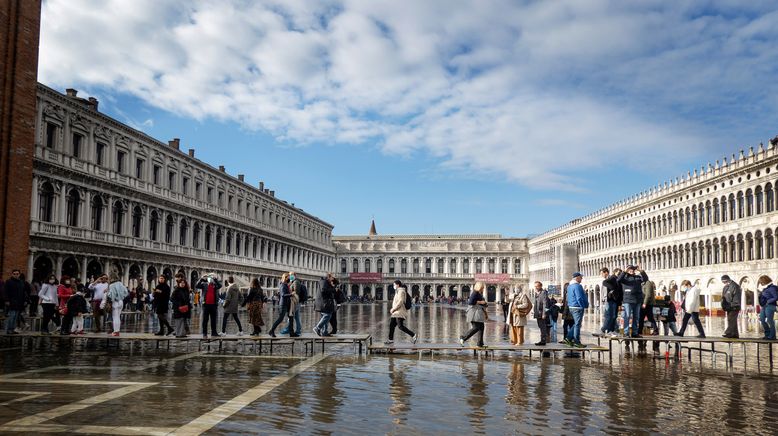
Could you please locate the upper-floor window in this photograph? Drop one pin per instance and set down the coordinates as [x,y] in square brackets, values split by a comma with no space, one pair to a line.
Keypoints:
[404,266]
[99,153]
[452,266]
[491,264]
[517,266]
[354,265]
[46,203]
[441,266]
[97,213]
[504,266]
[78,141]
[368,266]
[391,266]
[137,220]
[118,217]
[415,266]
[229,202]
[478,266]
[220,199]
[155,174]
[466,266]
[343,266]
[73,208]
[209,195]
[51,135]
[198,190]
[379,265]
[139,168]
[171,180]
[121,161]
[185,185]
[428,265]
[154,226]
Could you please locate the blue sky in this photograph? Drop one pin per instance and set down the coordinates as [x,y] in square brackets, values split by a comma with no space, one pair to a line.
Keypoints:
[438,116]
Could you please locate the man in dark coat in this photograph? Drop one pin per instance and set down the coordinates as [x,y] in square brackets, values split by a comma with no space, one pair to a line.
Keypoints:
[14,300]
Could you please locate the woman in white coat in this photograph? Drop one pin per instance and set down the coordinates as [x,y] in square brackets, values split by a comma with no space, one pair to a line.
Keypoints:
[520,306]
[399,313]
[691,308]
[115,296]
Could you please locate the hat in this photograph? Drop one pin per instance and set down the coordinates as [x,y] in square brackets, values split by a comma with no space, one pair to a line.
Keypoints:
[577,274]
[725,278]
[631,267]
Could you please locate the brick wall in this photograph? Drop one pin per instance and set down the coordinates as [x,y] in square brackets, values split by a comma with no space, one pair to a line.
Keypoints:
[19,40]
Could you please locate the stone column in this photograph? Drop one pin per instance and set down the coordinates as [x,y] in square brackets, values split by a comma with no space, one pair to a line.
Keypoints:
[58,266]
[84,277]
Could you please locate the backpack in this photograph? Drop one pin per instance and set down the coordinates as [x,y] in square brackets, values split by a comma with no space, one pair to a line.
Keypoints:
[408,301]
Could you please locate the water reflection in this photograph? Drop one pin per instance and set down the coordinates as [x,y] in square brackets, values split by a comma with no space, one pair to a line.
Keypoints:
[477,400]
[399,393]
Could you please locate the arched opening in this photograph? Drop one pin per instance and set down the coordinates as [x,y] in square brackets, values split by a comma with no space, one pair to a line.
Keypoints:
[137,220]
[118,217]
[415,291]
[94,269]
[70,267]
[452,291]
[169,229]
[491,293]
[46,203]
[154,226]
[73,208]
[135,276]
[151,274]
[97,213]
[354,290]
[168,273]
[184,228]
[194,276]
[42,268]
[379,293]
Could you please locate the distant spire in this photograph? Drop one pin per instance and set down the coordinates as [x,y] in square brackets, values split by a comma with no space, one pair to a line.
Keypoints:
[372,228]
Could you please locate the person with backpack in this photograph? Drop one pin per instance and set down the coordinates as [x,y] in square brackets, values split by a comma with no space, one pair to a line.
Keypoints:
[324,304]
[631,282]
[476,315]
[567,316]
[612,299]
[542,308]
[399,313]
[520,306]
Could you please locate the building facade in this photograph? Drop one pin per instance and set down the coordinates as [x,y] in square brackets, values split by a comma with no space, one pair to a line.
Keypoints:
[719,220]
[107,197]
[430,265]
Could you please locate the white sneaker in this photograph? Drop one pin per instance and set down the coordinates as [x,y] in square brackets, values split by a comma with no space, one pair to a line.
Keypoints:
[240,333]
[414,339]
[222,334]
[388,342]
[461,342]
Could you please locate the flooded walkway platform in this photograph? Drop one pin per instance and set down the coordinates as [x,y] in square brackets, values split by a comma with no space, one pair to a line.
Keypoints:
[529,349]
[259,344]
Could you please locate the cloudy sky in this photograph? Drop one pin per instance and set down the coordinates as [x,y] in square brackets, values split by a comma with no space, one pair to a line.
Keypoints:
[435,116]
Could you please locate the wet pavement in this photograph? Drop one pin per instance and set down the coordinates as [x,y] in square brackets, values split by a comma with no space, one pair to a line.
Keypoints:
[52,388]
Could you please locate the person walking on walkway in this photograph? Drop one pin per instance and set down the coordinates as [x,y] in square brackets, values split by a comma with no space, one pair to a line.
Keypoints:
[49,302]
[730,302]
[399,313]
[647,310]
[98,288]
[162,305]
[65,290]
[691,307]
[577,301]
[324,304]
[476,315]
[14,300]
[209,287]
[297,287]
[182,307]
[631,282]
[255,301]
[115,295]
[518,310]
[613,295]
[232,302]
[541,312]
[768,299]
[285,302]
[669,317]
[340,298]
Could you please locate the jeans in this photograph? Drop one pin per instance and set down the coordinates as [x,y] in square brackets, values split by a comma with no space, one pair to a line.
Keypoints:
[543,326]
[574,331]
[116,315]
[97,317]
[282,314]
[235,317]
[669,326]
[181,326]
[34,305]
[552,333]
[477,327]
[695,316]
[324,323]
[163,322]
[609,320]
[767,318]
[210,313]
[296,321]
[631,312]
[648,313]
[10,320]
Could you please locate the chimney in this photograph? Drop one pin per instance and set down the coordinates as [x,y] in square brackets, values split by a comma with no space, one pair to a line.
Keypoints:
[262,186]
[173,143]
[93,101]
[71,92]
[191,152]
[221,168]
[272,193]
[240,177]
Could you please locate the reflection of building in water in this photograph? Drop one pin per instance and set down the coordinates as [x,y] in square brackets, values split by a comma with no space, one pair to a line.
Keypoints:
[431,265]
[109,197]
[719,220]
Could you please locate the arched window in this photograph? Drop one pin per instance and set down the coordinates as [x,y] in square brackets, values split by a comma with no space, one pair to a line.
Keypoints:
[740,205]
[254,248]
[207,241]
[758,246]
[169,229]
[769,244]
[183,228]
[379,265]
[118,217]
[354,265]
[46,203]
[97,213]
[732,207]
[73,208]
[154,226]
[428,265]
[368,265]
[137,220]
[749,202]
[478,266]
[517,266]
[196,236]
[237,244]
[404,266]
[491,265]
[769,197]
[759,200]
[343,266]
[466,266]
[716,212]
[391,266]
[219,240]
[415,266]
[228,243]
[452,265]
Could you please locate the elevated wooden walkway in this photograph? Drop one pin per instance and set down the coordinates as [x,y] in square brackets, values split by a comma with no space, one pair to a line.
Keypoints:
[257,344]
[530,349]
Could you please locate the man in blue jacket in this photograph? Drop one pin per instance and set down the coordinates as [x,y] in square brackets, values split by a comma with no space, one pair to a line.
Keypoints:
[577,302]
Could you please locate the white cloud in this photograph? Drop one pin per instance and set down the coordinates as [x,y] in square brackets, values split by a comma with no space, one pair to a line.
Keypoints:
[541,94]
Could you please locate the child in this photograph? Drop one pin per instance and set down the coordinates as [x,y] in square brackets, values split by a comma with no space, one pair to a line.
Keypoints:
[77,308]
[668,316]
[553,316]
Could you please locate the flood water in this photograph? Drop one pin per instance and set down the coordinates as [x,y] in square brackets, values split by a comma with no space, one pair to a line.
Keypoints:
[348,394]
